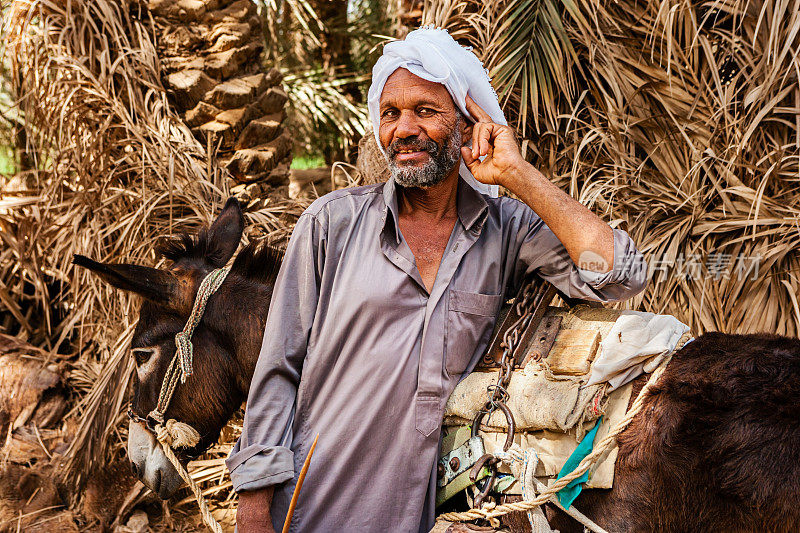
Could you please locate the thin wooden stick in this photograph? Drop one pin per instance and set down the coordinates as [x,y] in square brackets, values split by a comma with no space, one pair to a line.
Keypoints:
[299,485]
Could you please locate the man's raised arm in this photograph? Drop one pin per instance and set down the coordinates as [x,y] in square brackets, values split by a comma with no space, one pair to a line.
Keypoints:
[262,457]
[565,242]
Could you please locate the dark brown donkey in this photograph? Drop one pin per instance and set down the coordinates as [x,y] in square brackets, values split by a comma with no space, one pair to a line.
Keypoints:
[716,447]
[226,342]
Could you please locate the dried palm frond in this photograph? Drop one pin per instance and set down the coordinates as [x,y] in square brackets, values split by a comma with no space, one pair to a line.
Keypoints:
[525,47]
[684,127]
[116,168]
[703,161]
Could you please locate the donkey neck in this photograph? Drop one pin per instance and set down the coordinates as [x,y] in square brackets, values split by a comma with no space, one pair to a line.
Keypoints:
[241,312]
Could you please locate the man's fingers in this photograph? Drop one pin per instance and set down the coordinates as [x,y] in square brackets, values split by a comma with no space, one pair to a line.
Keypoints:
[480,169]
[466,154]
[482,136]
[478,132]
[477,111]
[485,139]
[472,162]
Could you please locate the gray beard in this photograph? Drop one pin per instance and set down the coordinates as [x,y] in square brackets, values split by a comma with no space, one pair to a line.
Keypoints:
[441,161]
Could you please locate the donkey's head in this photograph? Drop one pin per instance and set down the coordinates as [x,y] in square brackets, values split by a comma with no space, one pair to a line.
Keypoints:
[226,341]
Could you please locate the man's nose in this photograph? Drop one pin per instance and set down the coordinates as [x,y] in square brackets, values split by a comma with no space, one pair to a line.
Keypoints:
[406,126]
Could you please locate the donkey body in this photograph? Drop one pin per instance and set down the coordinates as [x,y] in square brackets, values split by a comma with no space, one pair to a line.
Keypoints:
[717,446]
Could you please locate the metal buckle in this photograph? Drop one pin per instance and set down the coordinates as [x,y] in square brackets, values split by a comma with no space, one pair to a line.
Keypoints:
[460,460]
[489,461]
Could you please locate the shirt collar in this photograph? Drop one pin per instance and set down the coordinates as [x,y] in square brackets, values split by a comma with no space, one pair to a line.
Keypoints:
[390,199]
[471,205]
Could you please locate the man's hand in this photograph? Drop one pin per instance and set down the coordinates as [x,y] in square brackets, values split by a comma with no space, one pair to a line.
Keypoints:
[499,145]
[253,514]
[588,240]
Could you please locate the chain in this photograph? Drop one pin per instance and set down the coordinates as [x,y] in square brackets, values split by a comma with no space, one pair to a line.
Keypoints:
[526,302]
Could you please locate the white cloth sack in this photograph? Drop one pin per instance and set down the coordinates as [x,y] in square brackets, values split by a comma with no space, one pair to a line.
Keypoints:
[536,401]
[636,343]
[432,54]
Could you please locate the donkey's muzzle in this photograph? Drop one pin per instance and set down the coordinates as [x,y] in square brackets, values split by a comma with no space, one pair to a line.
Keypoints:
[149,463]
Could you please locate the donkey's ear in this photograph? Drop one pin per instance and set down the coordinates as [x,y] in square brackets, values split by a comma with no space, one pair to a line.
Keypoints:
[225,233]
[155,285]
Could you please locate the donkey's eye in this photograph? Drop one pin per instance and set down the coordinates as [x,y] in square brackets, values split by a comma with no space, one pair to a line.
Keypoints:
[141,355]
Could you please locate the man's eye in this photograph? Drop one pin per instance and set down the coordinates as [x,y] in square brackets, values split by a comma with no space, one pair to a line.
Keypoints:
[141,355]
[389,113]
[426,111]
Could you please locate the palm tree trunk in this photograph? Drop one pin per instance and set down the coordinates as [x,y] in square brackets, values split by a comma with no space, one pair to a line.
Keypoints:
[211,58]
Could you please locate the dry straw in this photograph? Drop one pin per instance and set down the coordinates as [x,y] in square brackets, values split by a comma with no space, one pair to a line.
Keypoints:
[677,120]
[117,169]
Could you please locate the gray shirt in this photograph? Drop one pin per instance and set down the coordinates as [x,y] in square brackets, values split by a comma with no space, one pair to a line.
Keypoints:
[356,350]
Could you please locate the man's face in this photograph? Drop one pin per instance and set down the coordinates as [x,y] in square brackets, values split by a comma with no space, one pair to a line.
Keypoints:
[421,130]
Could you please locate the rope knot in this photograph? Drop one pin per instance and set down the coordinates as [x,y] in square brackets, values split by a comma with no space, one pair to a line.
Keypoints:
[486,510]
[177,434]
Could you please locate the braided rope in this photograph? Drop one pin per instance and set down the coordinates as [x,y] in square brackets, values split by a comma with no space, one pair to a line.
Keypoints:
[523,466]
[167,438]
[171,433]
[181,365]
[604,445]
[183,340]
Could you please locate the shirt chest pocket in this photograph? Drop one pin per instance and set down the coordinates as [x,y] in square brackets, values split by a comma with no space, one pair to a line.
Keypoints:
[470,320]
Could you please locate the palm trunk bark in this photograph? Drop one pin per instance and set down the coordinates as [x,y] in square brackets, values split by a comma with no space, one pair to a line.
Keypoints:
[211,58]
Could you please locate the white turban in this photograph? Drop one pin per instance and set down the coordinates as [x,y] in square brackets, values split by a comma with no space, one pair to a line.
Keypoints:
[433,55]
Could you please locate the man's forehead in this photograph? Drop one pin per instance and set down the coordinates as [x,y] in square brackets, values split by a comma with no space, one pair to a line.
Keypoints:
[402,85]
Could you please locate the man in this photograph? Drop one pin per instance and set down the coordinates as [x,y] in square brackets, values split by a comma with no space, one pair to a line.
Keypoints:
[388,294]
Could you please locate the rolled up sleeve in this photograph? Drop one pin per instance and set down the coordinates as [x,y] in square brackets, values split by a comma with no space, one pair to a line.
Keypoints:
[262,456]
[540,251]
